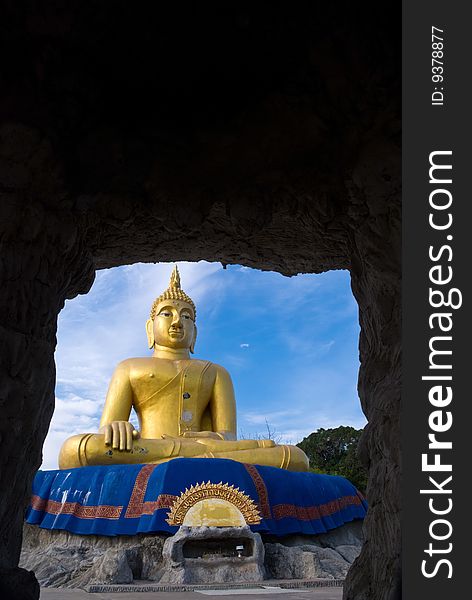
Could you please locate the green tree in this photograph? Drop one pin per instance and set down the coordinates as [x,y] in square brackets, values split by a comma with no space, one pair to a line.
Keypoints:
[334,451]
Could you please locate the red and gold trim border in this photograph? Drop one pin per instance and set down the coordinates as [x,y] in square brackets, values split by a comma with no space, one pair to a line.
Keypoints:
[312,513]
[261,489]
[136,505]
[101,511]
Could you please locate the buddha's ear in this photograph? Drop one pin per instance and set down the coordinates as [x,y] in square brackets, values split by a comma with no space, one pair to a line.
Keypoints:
[150,333]
[192,345]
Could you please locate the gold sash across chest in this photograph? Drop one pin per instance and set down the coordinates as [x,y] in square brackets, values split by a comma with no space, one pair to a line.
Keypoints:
[191,378]
[183,391]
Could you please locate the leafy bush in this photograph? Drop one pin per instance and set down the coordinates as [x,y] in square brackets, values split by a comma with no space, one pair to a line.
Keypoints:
[334,451]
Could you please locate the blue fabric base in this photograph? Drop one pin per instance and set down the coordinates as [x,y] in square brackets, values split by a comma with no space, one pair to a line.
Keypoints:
[131,499]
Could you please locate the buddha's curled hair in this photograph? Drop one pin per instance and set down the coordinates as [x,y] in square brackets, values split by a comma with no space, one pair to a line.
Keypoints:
[173,292]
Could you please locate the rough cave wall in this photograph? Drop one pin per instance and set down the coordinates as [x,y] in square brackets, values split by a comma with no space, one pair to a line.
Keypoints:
[264,137]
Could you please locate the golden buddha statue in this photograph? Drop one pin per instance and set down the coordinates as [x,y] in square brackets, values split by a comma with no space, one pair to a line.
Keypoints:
[185,407]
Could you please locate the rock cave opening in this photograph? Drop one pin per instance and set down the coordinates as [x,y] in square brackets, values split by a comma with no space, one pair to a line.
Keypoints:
[126,140]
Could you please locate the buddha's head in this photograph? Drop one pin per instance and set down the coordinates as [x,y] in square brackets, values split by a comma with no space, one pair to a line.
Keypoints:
[172,320]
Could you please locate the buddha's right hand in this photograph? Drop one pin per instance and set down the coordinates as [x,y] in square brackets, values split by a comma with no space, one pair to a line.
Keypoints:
[119,435]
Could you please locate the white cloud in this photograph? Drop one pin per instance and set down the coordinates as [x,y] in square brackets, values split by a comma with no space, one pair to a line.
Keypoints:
[273,418]
[72,415]
[97,331]
[327,347]
[234,362]
[244,345]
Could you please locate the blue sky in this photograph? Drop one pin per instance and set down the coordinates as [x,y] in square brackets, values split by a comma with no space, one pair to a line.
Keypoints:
[290,345]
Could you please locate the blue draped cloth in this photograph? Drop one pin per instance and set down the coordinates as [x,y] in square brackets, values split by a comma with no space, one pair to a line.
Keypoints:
[131,499]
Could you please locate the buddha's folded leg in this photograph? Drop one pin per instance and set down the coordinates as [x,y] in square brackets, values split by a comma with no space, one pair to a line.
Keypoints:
[286,457]
[89,449]
[232,446]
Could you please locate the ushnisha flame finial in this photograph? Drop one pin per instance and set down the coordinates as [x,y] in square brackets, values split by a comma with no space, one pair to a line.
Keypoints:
[173,292]
[175,278]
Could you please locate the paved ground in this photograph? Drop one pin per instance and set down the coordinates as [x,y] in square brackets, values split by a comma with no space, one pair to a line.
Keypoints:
[326,593]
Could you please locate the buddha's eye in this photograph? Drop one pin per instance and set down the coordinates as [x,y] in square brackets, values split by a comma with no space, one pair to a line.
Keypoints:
[165,314]
[186,317]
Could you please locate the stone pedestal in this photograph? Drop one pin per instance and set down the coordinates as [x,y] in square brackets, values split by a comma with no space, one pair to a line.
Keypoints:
[192,555]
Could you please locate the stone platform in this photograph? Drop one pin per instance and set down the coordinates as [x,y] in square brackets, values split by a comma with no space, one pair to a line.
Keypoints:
[63,559]
[249,593]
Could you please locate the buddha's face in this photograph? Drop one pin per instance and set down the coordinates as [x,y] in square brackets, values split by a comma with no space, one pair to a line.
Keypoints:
[174,325]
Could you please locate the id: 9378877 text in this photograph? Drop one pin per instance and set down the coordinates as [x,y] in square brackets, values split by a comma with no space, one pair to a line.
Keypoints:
[437,66]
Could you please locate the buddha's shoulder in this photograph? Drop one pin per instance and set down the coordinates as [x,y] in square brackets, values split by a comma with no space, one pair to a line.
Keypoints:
[219,368]
[211,370]
[207,363]
[136,365]
[141,362]
[214,368]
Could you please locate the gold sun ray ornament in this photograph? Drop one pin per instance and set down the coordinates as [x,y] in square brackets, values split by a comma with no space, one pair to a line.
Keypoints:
[221,495]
